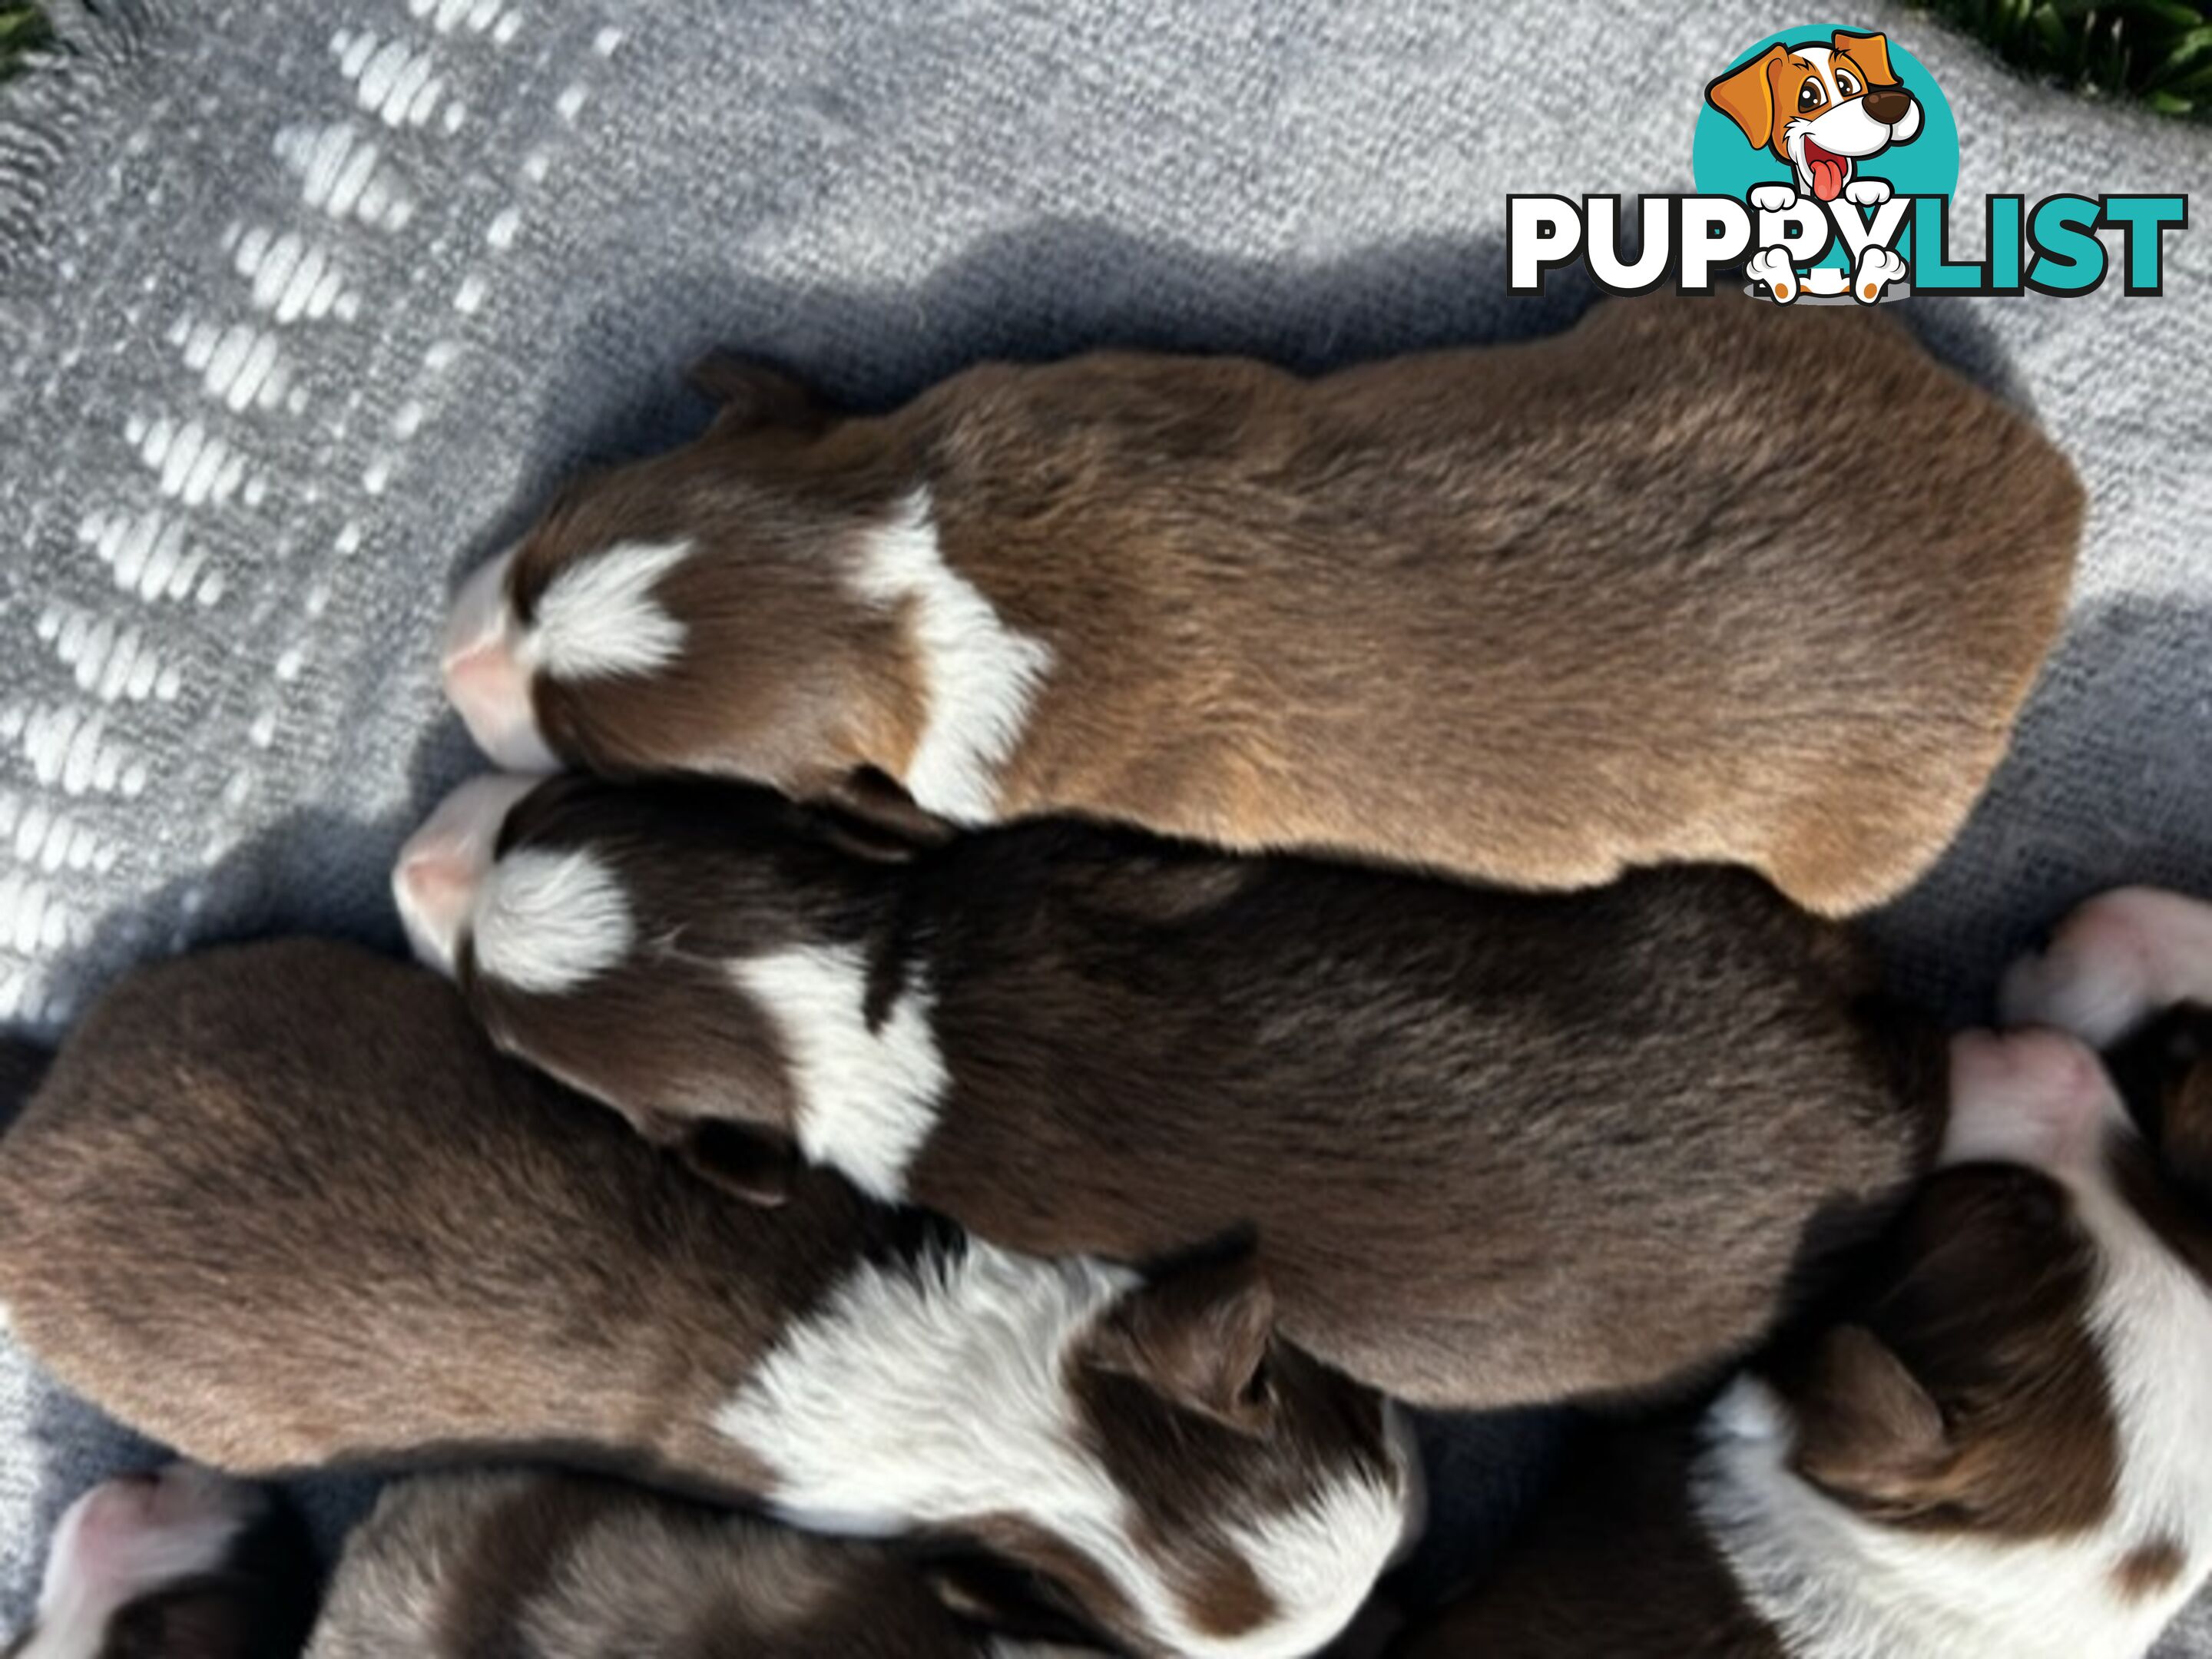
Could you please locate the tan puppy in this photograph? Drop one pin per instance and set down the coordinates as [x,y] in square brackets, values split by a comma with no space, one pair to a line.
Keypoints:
[1689,582]
[282,1204]
[465,1565]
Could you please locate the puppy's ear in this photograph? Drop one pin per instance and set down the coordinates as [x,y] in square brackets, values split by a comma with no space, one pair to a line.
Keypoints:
[870,817]
[2163,1072]
[754,394]
[755,1164]
[1746,96]
[1007,1601]
[1199,1334]
[1868,1433]
[1870,54]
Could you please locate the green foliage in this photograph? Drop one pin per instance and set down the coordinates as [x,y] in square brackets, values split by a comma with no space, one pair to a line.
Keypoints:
[2158,51]
[22,28]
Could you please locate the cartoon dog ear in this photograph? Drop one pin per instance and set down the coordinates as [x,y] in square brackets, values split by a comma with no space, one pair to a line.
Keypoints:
[1199,1334]
[1870,54]
[754,394]
[1868,1433]
[1746,96]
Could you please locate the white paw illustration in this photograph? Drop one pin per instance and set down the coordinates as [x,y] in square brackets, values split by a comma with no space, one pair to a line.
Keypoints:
[1770,268]
[1867,192]
[1877,268]
[1773,198]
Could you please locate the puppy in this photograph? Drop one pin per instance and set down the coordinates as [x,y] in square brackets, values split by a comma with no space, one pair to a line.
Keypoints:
[1495,1147]
[1688,582]
[463,1565]
[282,1205]
[1822,107]
[2112,965]
[179,1564]
[1996,1449]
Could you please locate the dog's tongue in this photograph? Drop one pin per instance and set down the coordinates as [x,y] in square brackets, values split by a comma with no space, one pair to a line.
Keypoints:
[1829,172]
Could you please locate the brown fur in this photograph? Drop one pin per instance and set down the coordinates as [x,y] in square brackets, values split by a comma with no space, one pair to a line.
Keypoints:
[1495,1147]
[282,1204]
[2148,1568]
[471,1566]
[1696,580]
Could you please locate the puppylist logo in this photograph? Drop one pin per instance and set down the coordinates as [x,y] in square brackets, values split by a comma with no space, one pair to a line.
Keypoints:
[1825,159]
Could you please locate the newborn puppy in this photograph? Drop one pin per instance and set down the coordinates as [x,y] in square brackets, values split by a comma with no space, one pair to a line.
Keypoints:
[282,1205]
[465,1565]
[2118,960]
[1997,1449]
[1495,1147]
[1695,580]
[180,1564]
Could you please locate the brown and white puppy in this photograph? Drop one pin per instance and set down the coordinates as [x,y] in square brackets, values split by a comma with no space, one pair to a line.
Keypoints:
[1533,614]
[2113,963]
[1495,1147]
[283,1205]
[521,1561]
[1997,1449]
[181,1563]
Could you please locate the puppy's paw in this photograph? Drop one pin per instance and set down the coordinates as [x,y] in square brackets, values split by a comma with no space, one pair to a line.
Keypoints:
[1772,270]
[1878,268]
[2036,1097]
[1867,192]
[1773,198]
[2118,959]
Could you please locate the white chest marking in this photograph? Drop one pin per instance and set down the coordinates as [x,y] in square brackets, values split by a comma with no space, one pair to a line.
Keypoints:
[599,618]
[867,1098]
[980,676]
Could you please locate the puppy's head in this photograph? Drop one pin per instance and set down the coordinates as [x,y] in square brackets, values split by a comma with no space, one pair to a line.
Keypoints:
[2011,1415]
[180,1564]
[694,955]
[691,612]
[1820,106]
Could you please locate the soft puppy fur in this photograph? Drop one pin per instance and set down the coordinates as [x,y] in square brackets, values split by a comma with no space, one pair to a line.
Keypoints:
[1992,1446]
[1493,1147]
[282,1204]
[464,1565]
[177,1562]
[1690,582]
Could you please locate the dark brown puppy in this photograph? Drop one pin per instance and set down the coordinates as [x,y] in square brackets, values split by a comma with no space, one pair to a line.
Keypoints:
[282,1204]
[1495,1147]
[1699,580]
[467,1565]
[180,1563]
[1995,1450]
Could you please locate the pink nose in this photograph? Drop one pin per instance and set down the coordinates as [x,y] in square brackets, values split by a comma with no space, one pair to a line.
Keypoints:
[2034,1096]
[434,883]
[485,680]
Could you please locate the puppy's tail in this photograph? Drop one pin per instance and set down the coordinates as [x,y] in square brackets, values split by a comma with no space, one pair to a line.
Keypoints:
[22,1066]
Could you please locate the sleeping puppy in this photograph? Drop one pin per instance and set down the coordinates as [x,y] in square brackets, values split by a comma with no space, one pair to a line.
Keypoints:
[1997,1448]
[178,1564]
[466,1566]
[282,1205]
[1495,1147]
[1532,614]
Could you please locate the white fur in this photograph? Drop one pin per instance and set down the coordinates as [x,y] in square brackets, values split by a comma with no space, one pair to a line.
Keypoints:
[1777,276]
[1841,126]
[2114,962]
[1838,1586]
[940,1394]
[86,1581]
[980,676]
[1867,192]
[598,618]
[867,1098]
[545,921]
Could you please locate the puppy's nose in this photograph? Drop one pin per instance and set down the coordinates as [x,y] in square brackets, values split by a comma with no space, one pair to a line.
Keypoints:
[485,681]
[444,863]
[2036,1097]
[1889,106]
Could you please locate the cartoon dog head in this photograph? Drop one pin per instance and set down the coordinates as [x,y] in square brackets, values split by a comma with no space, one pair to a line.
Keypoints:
[1821,108]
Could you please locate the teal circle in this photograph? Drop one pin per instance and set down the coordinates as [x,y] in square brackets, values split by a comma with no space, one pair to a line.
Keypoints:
[1723,163]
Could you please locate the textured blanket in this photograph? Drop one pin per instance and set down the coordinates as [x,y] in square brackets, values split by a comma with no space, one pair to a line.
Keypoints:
[304,303]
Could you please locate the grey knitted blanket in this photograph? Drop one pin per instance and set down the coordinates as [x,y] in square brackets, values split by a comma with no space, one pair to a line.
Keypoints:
[304,303]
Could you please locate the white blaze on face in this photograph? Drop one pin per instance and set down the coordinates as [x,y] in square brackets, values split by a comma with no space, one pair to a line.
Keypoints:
[599,619]
[442,866]
[129,1538]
